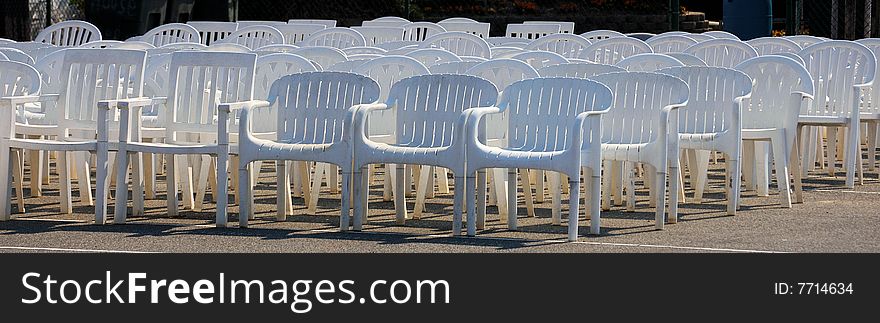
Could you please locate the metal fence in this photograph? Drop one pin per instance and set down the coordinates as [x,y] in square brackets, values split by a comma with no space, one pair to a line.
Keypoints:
[837,19]
[24,19]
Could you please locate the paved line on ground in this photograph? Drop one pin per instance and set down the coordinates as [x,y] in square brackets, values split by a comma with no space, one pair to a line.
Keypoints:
[616,244]
[69,249]
[845,191]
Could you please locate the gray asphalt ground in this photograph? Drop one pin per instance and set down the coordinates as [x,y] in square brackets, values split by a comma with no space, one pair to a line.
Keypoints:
[832,219]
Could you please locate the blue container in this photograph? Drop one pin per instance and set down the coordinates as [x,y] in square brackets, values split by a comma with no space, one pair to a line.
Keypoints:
[748,18]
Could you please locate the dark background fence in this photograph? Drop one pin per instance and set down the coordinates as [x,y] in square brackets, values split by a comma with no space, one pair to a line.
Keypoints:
[120,19]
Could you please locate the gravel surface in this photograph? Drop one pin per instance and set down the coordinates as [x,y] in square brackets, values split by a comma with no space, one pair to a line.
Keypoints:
[832,219]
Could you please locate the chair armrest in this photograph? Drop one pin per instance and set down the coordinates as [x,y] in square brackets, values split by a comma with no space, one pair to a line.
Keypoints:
[577,129]
[244,124]
[469,123]
[125,103]
[359,119]
[16,100]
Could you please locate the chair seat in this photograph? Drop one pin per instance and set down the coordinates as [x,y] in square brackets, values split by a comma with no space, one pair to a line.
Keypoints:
[53,145]
[517,158]
[176,149]
[401,153]
[625,152]
[822,120]
[272,150]
[701,141]
[762,133]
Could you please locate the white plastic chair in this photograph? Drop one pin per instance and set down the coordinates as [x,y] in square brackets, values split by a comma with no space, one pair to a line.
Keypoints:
[539,59]
[459,43]
[452,67]
[712,122]
[213,31]
[565,27]
[335,37]
[649,62]
[103,44]
[17,81]
[780,86]
[430,126]
[171,33]
[276,48]
[479,29]
[364,50]
[84,107]
[804,40]
[419,31]
[228,47]
[327,23]
[506,52]
[597,35]
[248,23]
[639,128]
[613,50]
[191,105]
[688,59]
[322,55]
[722,52]
[531,31]
[295,33]
[495,42]
[871,107]
[842,71]
[433,56]
[16,55]
[567,45]
[774,45]
[670,43]
[69,33]
[377,35]
[719,34]
[314,122]
[255,36]
[578,70]
[552,123]
[395,45]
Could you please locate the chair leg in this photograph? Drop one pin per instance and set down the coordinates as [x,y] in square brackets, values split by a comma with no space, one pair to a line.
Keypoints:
[102,183]
[150,177]
[780,161]
[832,150]
[244,193]
[18,178]
[674,182]
[121,207]
[202,183]
[606,185]
[595,210]
[171,181]
[345,207]
[359,190]
[459,196]
[511,199]
[64,180]
[333,181]
[222,191]
[701,174]
[556,197]
[749,161]
[315,190]
[137,185]
[400,193]
[443,186]
[5,190]
[660,216]
[629,179]
[527,191]
[282,190]
[872,145]
[734,185]
[573,208]
[762,168]
[617,182]
[422,190]
[185,177]
[84,178]
[469,191]
[36,165]
[539,185]
[388,183]
[304,175]
[500,188]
